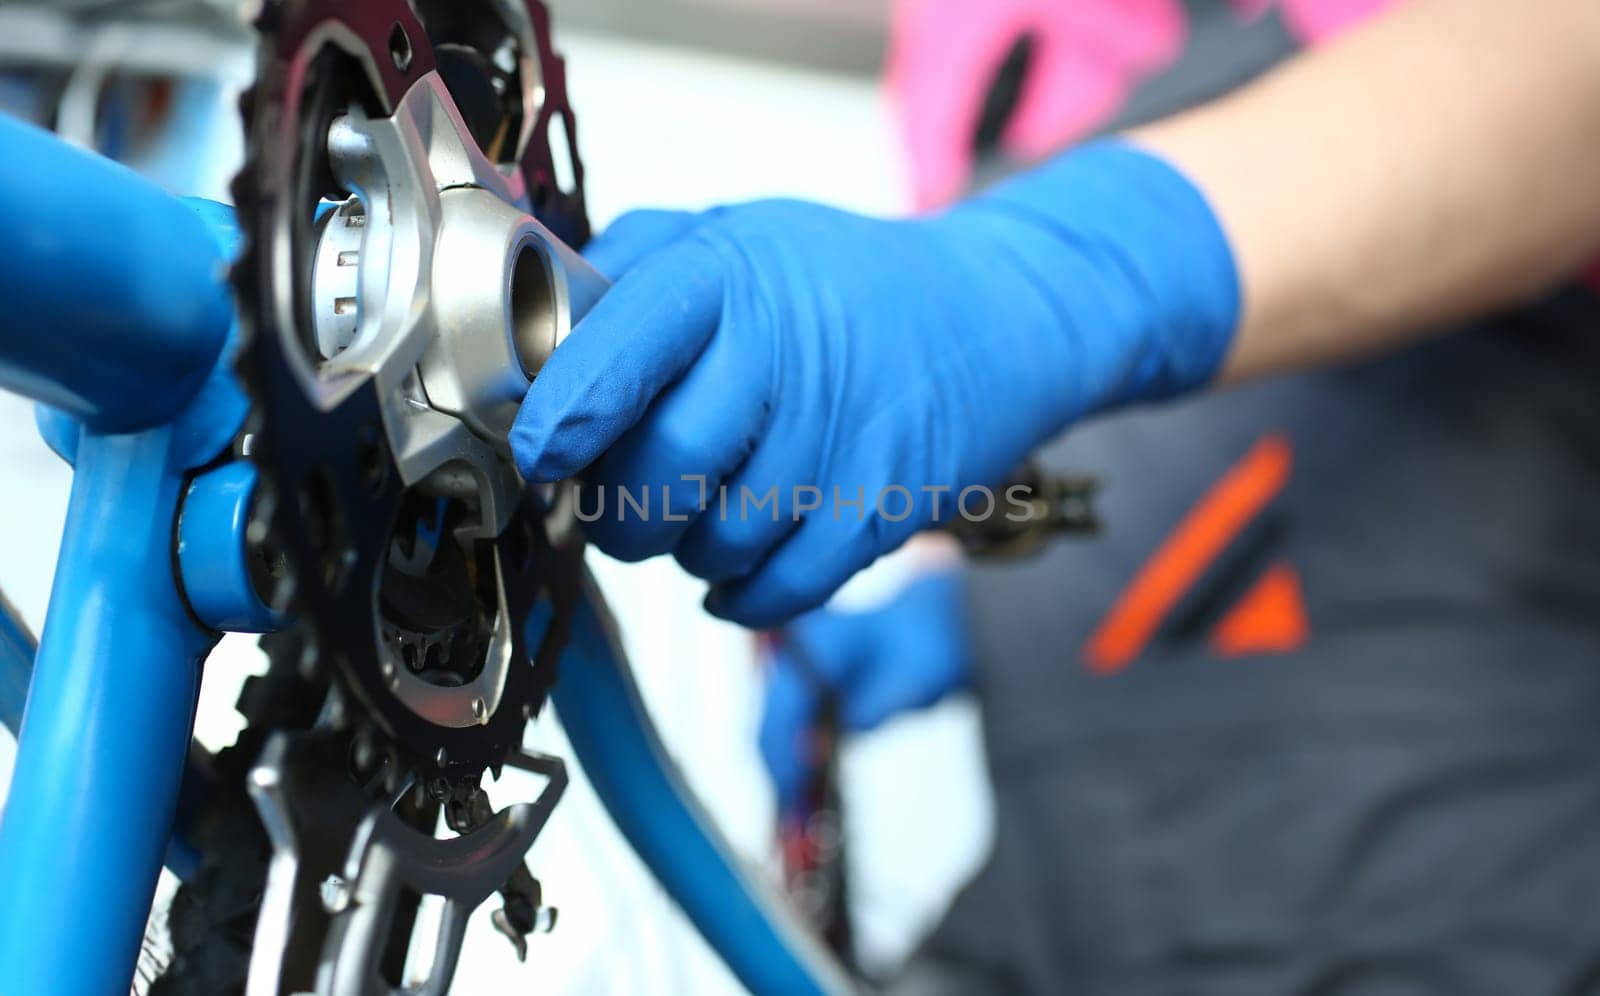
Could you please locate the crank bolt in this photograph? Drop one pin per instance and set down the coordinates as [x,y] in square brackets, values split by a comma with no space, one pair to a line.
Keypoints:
[335,894]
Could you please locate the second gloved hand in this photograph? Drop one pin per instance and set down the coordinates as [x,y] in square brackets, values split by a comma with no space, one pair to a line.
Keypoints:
[876,664]
[780,392]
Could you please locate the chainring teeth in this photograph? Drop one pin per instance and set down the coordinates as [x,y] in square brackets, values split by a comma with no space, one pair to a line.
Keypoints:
[565,212]
[392,34]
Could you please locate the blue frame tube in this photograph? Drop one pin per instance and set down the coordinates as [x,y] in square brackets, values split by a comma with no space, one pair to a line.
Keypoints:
[618,748]
[115,302]
[105,732]
[118,316]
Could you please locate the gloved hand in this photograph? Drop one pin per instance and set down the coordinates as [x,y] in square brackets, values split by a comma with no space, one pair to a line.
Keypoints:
[778,347]
[906,654]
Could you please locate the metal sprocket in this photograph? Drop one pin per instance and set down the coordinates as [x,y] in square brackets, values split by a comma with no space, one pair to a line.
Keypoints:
[333,508]
[331,487]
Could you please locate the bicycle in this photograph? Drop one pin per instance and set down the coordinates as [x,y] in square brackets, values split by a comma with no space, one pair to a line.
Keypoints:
[319,455]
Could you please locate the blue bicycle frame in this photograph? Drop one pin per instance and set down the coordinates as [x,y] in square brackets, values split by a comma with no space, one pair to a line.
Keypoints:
[119,324]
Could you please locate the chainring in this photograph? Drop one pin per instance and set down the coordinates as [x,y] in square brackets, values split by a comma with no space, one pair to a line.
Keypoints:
[330,487]
[341,529]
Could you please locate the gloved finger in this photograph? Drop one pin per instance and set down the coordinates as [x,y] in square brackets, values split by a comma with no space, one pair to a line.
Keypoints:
[829,646]
[634,236]
[698,432]
[800,574]
[915,652]
[639,338]
[893,688]
[788,717]
[750,515]
[762,502]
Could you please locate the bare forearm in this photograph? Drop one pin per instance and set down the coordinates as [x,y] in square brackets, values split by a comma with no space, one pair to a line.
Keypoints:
[1439,162]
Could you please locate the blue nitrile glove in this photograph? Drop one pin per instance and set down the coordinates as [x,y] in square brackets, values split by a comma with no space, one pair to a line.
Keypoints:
[906,654]
[783,346]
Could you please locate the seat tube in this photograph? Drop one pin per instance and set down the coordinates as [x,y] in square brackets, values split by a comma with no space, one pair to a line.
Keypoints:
[105,731]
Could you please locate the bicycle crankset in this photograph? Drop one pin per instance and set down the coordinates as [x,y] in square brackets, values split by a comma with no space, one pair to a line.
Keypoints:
[409,203]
